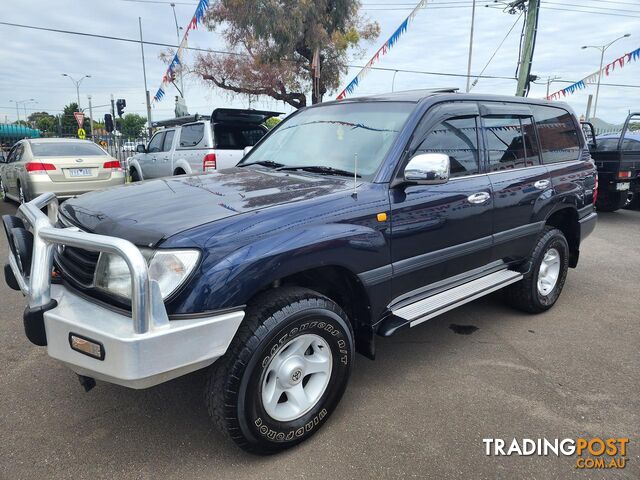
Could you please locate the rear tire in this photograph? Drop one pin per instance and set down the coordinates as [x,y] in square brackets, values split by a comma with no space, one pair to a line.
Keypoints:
[252,392]
[548,267]
[135,176]
[22,196]
[611,201]
[3,191]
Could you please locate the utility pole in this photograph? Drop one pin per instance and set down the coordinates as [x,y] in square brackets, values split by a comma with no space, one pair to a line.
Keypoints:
[550,80]
[90,116]
[473,20]
[531,29]
[589,100]
[144,73]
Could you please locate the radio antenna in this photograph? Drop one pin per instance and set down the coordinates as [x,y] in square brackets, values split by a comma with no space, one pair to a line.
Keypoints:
[355,175]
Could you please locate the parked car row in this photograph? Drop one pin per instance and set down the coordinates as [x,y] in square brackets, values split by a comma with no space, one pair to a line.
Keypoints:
[350,220]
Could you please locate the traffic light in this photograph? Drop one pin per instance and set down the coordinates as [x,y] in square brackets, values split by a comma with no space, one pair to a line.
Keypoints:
[120,104]
[108,122]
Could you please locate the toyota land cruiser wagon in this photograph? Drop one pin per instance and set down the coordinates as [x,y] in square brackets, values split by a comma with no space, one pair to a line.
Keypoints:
[349,221]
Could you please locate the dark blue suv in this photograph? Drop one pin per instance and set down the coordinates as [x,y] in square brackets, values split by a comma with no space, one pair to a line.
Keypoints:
[349,220]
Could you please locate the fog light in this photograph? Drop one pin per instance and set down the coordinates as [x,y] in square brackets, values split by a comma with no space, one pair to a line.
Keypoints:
[86,346]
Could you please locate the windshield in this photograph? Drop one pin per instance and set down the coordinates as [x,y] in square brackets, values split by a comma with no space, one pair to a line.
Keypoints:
[331,136]
[65,149]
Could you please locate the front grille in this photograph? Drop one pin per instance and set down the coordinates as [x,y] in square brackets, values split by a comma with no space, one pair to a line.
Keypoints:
[75,264]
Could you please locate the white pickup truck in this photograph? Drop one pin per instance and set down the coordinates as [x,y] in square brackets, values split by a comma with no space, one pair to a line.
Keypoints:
[196,144]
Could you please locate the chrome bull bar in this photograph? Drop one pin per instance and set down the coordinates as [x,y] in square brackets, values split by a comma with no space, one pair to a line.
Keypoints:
[147,307]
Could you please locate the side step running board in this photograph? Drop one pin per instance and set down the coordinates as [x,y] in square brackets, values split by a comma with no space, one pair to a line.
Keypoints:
[427,308]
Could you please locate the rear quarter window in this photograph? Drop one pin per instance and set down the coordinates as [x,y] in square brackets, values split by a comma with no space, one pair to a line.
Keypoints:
[559,137]
[231,137]
[191,135]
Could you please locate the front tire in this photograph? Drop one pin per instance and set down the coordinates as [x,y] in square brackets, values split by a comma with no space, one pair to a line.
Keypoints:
[284,372]
[135,176]
[539,290]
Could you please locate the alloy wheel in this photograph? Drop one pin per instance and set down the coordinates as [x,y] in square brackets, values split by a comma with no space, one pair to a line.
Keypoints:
[296,377]
[549,271]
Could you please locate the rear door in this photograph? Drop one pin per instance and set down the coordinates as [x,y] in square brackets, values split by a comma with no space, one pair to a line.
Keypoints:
[164,165]
[520,183]
[11,168]
[439,231]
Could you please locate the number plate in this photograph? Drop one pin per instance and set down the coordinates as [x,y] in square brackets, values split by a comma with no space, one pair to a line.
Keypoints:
[79,172]
[622,186]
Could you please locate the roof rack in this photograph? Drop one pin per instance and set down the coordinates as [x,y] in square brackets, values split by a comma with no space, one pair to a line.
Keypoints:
[172,122]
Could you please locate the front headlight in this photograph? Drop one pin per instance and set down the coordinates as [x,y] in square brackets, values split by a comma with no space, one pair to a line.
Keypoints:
[170,268]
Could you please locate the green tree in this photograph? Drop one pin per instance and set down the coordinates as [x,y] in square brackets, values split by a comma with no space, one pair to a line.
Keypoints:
[276,41]
[131,125]
[46,123]
[272,122]
[69,124]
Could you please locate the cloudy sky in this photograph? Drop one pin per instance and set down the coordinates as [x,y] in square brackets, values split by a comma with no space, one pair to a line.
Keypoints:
[437,41]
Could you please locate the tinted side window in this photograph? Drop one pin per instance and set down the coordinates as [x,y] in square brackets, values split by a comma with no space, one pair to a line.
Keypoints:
[511,142]
[559,138]
[230,137]
[607,144]
[168,140]
[458,138]
[155,145]
[191,135]
[631,145]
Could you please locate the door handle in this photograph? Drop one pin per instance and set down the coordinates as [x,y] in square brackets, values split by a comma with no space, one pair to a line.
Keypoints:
[479,197]
[542,184]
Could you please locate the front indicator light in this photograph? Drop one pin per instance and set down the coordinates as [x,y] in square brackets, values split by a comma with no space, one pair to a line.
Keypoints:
[86,346]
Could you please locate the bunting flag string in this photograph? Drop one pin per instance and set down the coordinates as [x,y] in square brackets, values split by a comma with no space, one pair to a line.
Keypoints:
[386,46]
[168,77]
[593,78]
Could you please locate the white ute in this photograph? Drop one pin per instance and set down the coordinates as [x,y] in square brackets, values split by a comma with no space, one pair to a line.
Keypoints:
[196,144]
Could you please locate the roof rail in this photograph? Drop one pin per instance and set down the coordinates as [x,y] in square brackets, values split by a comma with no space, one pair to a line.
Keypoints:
[172,122]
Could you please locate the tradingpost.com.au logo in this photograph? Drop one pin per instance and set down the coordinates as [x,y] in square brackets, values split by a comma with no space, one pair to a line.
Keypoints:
[590,453]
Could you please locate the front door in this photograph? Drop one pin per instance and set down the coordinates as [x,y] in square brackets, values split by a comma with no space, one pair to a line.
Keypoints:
[440,231]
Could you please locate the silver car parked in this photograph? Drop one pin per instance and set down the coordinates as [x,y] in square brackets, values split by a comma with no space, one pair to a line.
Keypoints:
[64,166]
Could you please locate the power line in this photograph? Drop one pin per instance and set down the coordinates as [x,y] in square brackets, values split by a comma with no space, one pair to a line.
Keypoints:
[475,82]
[222,52]
[588,11]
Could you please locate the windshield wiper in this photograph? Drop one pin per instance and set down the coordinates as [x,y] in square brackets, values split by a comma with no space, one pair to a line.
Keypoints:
[318,169]
[266,163]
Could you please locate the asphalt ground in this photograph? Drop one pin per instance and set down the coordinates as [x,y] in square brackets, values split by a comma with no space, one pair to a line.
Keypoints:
[421,409]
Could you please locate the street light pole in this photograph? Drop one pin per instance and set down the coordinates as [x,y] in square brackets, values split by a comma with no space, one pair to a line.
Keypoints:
[77,84]
[18,102]
[175,18]
[602,48]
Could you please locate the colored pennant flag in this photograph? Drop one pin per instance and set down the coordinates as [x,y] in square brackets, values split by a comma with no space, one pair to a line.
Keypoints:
[169,75]
[386,46]
[593,78]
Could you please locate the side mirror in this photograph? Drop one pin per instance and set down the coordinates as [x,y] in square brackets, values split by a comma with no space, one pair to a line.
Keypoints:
[246,150]
[141,149]
[428,169]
